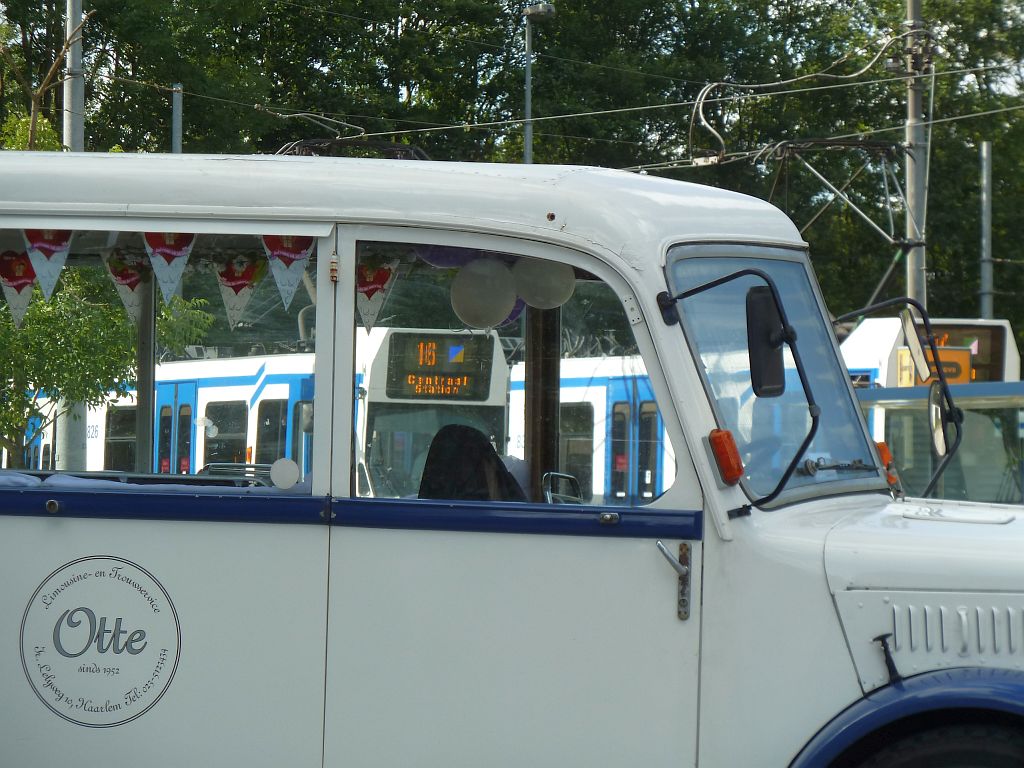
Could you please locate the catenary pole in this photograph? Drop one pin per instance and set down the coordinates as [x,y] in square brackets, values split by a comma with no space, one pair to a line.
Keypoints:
[916,147]
[69,448]
[985,291]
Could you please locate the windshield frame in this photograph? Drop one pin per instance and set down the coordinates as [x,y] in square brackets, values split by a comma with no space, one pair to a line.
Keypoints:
[752,255]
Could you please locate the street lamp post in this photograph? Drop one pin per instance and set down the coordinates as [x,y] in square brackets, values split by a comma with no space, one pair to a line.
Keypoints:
[532,13]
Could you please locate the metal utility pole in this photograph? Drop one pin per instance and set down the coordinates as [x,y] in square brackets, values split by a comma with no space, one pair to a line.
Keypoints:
[176,108]
[74,82]
[985,291]
[532,13]
[916,54]
[70,427]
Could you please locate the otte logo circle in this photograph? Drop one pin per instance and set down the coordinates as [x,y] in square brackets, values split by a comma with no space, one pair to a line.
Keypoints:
[100,641]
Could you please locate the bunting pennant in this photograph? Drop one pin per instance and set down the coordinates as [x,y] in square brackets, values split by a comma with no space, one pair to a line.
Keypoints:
[238,278]
[168,253]
[127,272]
[373,285]
[16,278]
[288,257]
[47,250]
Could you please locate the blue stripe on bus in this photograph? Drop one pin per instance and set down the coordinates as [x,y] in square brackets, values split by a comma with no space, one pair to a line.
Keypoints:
[511,517]
[205,503]
[195,503]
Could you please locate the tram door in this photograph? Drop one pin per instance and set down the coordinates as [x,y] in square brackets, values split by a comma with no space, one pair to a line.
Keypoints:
[635,439]
[175,428]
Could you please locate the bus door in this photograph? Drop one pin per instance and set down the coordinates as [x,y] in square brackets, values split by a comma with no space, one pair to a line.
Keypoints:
[635,437]
[468,622]
[175,427]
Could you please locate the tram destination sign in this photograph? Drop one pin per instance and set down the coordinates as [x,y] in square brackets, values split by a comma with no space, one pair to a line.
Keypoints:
[430,366]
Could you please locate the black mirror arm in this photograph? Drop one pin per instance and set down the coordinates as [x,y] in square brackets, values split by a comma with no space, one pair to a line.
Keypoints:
[815,412]
[953,413]
[788,336]
[956,419]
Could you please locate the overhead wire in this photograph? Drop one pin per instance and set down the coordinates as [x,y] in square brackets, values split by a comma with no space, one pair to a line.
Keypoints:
[506,123]
[698,110]
[745,154]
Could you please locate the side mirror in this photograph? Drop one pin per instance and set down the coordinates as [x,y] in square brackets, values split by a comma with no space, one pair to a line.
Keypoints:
[938,419]
[765,338]
[560,488]
[914,345]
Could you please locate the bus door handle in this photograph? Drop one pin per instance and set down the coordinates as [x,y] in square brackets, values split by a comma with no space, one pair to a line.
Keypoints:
[680,565]
[680,568]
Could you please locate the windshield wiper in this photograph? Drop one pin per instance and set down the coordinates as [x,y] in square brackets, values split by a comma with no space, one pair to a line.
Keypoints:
[814,466]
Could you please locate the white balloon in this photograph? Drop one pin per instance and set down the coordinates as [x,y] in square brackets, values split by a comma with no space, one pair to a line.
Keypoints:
[284,473]
[543,284]
[482,293]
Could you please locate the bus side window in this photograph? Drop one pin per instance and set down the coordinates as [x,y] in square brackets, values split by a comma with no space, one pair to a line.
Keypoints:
[432,352]
[252,347]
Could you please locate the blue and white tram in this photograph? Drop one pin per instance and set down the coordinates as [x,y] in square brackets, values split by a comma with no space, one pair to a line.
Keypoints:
[249,410]
[231,412]
[612,438]
[243,410]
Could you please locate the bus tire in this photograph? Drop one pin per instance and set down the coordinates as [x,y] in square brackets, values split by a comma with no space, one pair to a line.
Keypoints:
[961,746]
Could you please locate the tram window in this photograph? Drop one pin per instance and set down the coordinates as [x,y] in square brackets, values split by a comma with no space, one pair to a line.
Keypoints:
[576,444]
[225,432]
[119,443]
[164,440]
[647,450]
[184,441]
[271,430]
[620,450]
[431,351]
[302,435]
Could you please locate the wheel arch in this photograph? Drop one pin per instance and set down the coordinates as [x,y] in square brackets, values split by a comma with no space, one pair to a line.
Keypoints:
[929,700]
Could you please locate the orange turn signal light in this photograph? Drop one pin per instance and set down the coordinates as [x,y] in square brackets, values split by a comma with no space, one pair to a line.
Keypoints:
[727,456]
[889,463]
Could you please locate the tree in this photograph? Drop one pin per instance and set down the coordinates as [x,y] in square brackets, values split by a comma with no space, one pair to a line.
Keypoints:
[620,80]
[77,347]
[35,92]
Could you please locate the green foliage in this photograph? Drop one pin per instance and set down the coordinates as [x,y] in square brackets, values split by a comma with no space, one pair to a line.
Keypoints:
[78,347]
[626,73]
[15,129]
[181,323]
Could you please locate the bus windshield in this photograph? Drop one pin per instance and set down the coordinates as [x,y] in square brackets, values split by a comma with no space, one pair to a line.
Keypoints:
[769,430]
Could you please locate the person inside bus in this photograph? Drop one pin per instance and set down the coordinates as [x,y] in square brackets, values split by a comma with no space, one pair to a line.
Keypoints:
[462,464]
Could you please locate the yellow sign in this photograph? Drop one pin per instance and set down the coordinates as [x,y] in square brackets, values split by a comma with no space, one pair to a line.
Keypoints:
[956,365]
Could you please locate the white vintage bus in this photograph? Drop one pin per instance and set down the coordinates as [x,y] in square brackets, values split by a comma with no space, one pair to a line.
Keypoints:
[765,600]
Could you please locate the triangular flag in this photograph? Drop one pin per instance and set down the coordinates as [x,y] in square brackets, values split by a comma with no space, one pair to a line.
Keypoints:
[16,278]
[127,272]
[238,278]
[288,257]
[373,285]
[47,250]
[168,253]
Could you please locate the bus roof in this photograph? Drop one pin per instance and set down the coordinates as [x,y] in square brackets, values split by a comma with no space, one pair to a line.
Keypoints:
[630,215]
